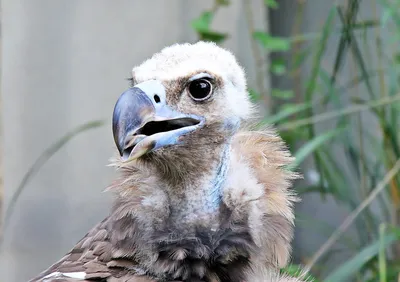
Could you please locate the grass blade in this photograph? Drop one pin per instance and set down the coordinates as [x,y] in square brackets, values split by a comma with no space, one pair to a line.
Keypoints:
[312,145]
[319,54]
[343,112]
[353,216]
[337,178]
[382,255]
[38,164]
[358,56]
[286,112]
[353,265]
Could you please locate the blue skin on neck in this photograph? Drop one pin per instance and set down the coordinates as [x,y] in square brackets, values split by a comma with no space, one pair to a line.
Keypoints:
[215,195]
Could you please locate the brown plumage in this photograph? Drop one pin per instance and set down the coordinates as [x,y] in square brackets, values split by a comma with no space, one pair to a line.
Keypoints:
[210,204]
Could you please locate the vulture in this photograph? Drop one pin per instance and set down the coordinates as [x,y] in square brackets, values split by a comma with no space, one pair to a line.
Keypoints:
[202,195]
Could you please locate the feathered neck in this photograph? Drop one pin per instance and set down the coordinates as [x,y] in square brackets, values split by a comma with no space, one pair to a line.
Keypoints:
[254,214]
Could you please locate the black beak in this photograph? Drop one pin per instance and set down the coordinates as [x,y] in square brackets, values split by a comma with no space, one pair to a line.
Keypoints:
[142,121]
[130,113]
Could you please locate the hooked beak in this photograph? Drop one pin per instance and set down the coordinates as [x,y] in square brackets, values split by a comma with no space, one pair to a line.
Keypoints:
[143,122]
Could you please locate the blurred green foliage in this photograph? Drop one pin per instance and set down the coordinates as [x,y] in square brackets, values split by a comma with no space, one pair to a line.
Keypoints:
[352,143]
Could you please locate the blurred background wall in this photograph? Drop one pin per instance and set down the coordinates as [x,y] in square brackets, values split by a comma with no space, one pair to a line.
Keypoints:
[64,63]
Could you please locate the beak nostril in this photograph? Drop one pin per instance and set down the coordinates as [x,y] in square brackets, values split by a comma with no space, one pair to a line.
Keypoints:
[157,98]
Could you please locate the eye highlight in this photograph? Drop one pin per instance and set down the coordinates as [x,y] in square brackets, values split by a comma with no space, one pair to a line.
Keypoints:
[200,89]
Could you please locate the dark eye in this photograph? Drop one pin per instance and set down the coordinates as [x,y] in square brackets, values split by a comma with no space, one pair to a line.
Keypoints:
[200,89]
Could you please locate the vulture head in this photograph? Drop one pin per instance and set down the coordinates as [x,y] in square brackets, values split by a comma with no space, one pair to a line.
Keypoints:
[201,196]
[185,105]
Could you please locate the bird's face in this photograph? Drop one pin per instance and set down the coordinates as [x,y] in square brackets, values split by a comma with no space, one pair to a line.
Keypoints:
[179,92]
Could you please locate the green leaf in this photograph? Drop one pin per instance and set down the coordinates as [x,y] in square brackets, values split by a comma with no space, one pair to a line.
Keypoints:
[282,94]
[308,148]
[271,4]
[278,67]
[271,43]
[216,37]
[202,24]
[353,265]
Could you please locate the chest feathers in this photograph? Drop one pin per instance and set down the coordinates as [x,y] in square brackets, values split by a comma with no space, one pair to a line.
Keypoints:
[239,219]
